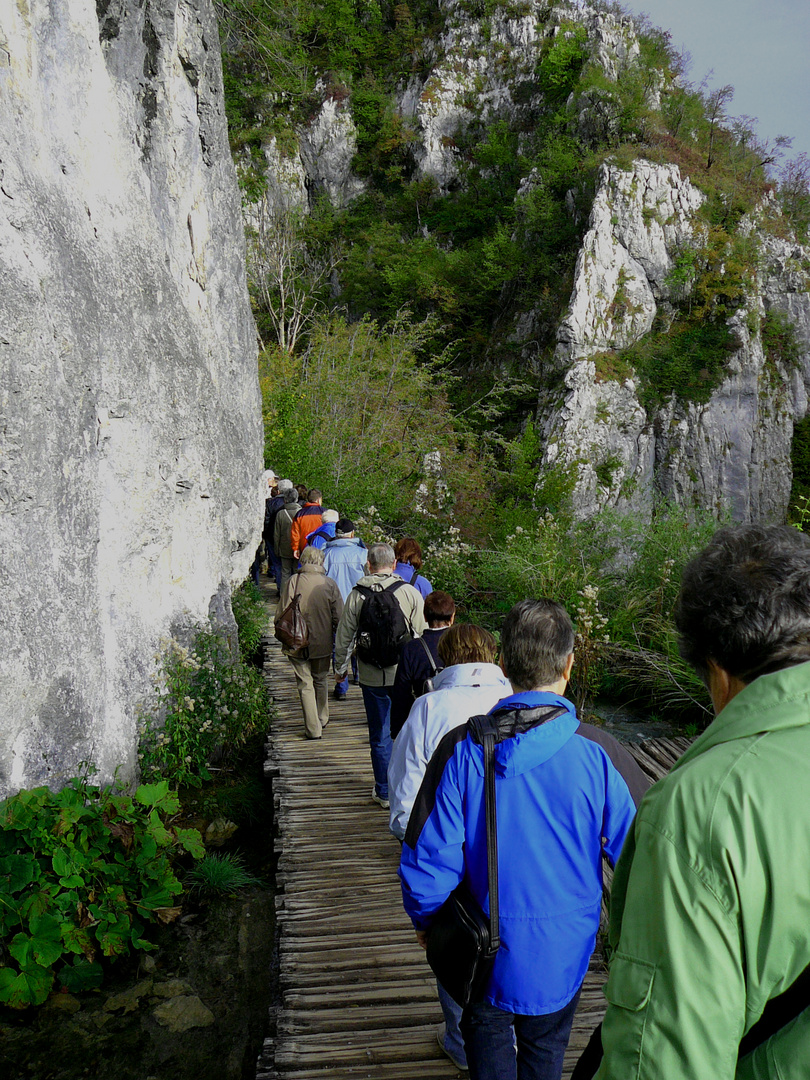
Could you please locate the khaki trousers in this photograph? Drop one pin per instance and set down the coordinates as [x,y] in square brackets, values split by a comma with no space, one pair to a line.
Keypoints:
[312,677]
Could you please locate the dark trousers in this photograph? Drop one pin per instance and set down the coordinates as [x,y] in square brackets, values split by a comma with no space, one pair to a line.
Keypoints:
[490,1035]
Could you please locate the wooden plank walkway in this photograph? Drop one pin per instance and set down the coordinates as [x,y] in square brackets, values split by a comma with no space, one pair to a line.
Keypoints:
[357,997]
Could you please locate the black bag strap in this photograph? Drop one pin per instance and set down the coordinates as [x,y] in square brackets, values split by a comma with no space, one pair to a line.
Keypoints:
[434,670]
[492,842]
[778,1012]
[484,730]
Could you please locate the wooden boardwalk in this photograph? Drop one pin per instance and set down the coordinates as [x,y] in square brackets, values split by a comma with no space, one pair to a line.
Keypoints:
[357,999]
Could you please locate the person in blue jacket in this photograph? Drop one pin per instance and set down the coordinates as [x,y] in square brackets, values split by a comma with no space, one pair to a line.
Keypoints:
[345,562]
[565,792]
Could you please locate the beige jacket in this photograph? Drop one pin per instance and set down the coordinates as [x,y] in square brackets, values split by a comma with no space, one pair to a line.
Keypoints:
[321,605]
[412,604]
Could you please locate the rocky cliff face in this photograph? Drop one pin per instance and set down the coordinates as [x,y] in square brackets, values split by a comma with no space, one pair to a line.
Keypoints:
[130,441]
[730,454]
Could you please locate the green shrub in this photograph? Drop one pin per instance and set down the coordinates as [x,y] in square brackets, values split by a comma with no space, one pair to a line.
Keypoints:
[618,575]
[206,704]
[688,360]
[81,872]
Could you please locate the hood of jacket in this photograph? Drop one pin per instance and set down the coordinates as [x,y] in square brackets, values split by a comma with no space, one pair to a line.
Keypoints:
[384,580]
[326,530]
[471,675]
[528,749]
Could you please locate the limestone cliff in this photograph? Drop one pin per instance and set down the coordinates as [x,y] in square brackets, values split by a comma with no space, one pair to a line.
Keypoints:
[729,454]
[130,439]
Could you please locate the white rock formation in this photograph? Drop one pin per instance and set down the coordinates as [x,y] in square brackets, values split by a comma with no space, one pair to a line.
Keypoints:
[328,146]
[481,63]
[130,422]
[731,454]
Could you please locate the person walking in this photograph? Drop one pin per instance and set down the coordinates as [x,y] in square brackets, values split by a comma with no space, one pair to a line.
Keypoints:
[709,931]
[408,563]
[271,509]
[345,562]
[307,520]
[282,536]
[419,659]
[470,683]
[561,802]
[325,532]
[321,605]
[378,625]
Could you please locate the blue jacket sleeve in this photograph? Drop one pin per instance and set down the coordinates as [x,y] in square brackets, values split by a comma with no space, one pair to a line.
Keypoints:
[620,810]
[431,868]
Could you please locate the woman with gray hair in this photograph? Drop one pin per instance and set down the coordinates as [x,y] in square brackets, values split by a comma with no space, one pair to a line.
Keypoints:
[321,605]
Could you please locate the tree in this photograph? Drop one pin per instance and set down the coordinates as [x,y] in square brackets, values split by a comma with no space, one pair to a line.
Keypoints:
[794,193]
[288,272]
[716,117]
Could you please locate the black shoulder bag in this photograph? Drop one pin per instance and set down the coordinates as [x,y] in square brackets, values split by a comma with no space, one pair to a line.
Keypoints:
[462,940]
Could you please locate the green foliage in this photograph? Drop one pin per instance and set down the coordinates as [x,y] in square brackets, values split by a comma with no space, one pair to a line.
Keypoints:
[794,195]
[206,704]
[216,876]
[251,617]
[561,63]
[359,411]
[800,462]
[779,340]
[688,361]
[81,873]
[633,566]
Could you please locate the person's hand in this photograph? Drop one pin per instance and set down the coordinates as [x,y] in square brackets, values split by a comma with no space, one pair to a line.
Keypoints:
[340,676]
[421,938]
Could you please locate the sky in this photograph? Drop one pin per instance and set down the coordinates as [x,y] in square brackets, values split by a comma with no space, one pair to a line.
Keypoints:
[760,47]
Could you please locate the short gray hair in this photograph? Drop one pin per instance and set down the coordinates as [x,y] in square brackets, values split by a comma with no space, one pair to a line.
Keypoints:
[380,556]
[312,556]
[537,638]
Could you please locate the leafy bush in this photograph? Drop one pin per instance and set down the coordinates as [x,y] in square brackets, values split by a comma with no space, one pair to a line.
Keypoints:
[689,361]
[617,575]
[81,872]
[206,705]
[358,413]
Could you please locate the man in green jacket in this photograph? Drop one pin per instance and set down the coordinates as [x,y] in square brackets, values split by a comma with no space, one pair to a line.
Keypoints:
[710,913]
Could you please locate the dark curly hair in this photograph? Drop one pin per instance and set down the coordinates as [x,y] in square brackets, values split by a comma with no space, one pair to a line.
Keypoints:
[745,602]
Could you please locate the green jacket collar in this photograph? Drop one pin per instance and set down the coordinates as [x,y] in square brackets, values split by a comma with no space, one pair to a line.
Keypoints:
[770,703]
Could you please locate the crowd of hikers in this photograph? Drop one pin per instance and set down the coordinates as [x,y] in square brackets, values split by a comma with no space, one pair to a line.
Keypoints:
[497,791]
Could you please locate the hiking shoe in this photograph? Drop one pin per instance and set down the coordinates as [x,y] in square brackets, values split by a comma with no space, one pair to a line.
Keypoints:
[440,1033]
[379,800]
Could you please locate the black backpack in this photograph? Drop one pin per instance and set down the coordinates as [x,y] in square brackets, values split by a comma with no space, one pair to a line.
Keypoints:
[382,628]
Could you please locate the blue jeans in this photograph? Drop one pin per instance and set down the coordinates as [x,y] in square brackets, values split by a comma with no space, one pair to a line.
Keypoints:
[343,686]
[453,1042]
[377,700]
[274,564]
[490,1035]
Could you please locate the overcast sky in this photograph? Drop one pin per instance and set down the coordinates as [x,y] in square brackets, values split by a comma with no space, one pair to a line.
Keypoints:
[760,47]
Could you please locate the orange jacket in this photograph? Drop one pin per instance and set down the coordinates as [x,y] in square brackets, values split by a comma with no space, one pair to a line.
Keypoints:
[307,520]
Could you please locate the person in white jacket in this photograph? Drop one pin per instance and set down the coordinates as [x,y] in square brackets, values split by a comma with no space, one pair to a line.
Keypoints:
[470,683]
